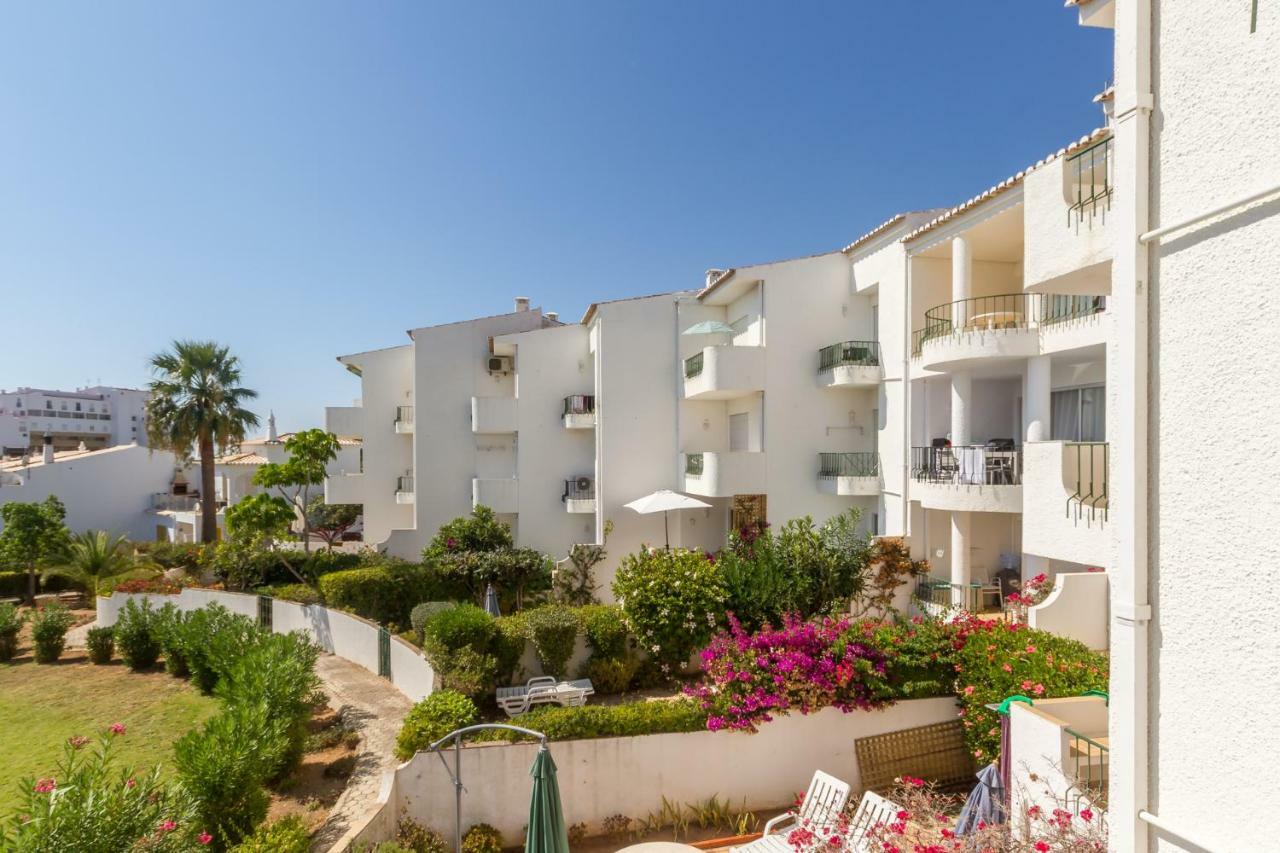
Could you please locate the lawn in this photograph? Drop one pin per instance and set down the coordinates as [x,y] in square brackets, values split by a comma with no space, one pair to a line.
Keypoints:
[43,705]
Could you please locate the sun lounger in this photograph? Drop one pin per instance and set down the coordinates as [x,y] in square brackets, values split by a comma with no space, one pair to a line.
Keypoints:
[873,810]
[544,690]
[821,807]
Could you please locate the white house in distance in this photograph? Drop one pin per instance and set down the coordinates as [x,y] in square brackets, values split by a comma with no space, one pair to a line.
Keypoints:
[98,417]
[110,489]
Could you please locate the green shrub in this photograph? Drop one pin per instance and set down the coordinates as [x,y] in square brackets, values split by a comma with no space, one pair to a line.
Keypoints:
[595,721]
[212,640]
[287,835]
[169,633]
[413,837]
[137,634]
[13,584]
[454,628]
[101,643]
[482,838]
[11,622]
[673,601]
[433,718]
[49,631]
[299,593]
[610,675]
[922,658]
[421,613]
[223,764]
[324,562]
[384,592]
[508,647]
[605,627]
[172,555]
[553,630]
[1041,665]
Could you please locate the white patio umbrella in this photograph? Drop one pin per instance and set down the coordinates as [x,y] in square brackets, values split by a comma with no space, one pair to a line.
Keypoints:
[709,327]
[663,501]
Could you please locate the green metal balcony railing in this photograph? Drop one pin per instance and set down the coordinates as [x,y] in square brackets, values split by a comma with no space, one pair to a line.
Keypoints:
[693,365]
[848,465]
[947,595]
[693,464]
[1091,462]
[1004,312]
[852,353]
[1089,766]
[1089,176]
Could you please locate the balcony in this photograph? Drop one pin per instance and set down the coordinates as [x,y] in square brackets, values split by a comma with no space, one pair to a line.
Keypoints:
[580,411]
[1062,744]
[165,502]
[344,420]
[1065,509]
[723,373]
[855,474]
[404,420]
[493,415]
[1008,326]
[500,494]
[936,597]
[404,490]
[1069,244]
[849,364]
[971,478]
[1078,608]
[579,495]
[723,475]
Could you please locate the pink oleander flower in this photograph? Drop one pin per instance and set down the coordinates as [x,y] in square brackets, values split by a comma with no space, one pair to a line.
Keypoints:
[117,728]
[168,826]
[1031,650]
[1007,668]
[132,783]
[77,741]
[204,838]
[1038,689]
[968,691]
[45,786]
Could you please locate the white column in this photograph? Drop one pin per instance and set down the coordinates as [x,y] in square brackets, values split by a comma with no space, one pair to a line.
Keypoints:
[961,567]
[961,397]
[961,281]
[1036,399]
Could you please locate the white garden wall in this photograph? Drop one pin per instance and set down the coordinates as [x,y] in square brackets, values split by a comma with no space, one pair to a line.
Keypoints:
[337,633]
[630,776]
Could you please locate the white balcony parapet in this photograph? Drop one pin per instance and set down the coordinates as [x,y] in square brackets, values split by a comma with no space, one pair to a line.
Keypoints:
[344,420]
[855,474]
[579,495]
[849,364]
[500,494]
[972,478]
[580,411]
[722,475]
[344,488]
[1077,607]
[1069,239]
[724,372]
[1066,505]
[1060,754]
[404,490]
[493,415]
[404,420]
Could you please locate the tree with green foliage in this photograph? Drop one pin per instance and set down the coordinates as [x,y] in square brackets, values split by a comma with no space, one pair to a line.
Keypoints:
[33,536]
[480,531]
[310,453]
[331,521]
[96,556]
[254,526]
[197,400]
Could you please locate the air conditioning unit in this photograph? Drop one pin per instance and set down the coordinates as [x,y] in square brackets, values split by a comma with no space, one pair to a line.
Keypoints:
[499,364]
[583,483]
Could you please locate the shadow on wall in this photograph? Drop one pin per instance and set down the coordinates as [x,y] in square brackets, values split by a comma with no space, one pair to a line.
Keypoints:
[318,618]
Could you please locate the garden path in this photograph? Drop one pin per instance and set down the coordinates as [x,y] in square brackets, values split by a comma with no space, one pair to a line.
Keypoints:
[78,637]
[376,709]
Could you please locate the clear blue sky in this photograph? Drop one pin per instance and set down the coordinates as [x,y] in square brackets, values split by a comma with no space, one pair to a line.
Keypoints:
[305,180]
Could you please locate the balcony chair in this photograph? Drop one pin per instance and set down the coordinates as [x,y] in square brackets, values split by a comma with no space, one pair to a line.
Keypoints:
[821,807]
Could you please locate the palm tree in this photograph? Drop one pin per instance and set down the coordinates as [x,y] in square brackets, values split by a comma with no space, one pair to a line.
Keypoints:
[96,556]
[196,399]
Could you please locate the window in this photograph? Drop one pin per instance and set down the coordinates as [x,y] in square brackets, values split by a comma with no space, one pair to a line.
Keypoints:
[77,407]
[1079,414]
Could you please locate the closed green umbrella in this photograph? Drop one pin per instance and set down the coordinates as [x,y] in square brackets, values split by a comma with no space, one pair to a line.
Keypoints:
[547,833]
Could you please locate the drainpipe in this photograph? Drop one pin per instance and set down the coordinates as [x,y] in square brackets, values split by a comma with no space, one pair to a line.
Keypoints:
[1128,366]
[906,395]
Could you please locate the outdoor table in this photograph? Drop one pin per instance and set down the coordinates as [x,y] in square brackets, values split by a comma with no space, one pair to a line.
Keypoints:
[997,320]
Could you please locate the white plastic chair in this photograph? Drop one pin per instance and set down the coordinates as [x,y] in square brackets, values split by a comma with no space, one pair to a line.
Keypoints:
[873,810]
[821,807]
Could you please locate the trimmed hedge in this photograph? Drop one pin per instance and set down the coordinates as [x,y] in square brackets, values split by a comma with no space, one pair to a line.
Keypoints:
[433,718]
[385,594]
[596,721]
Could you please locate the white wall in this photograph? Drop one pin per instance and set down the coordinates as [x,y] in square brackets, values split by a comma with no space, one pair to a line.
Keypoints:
[630,776]
[335,632]
[107,489]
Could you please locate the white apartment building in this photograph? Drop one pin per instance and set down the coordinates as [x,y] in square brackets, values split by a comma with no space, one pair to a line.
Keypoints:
[97,417]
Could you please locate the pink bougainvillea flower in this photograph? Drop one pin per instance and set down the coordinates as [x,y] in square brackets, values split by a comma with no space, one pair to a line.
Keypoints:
[1086,815]
[45,786]
[1026,685]
[1042,846]
[204,838]
[968,691]
[117,728]
[913,781]
[1038,689]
